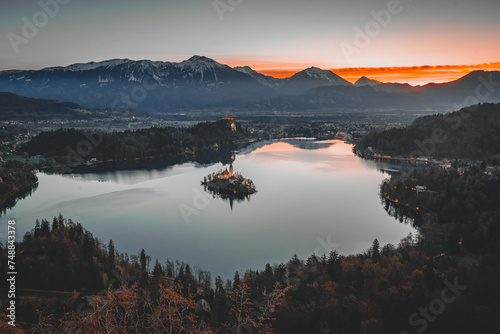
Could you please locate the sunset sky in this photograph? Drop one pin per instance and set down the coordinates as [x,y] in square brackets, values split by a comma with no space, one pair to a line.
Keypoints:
[415,41]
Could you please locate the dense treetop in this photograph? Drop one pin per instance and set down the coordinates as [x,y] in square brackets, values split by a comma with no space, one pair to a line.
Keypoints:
[141,143]
[15,178]
[472,132]
[381,290]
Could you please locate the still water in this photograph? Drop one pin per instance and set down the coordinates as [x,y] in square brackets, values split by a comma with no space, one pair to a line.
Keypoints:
[313,197]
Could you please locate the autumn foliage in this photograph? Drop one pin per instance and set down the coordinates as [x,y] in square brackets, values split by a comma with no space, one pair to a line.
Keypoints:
[386,289]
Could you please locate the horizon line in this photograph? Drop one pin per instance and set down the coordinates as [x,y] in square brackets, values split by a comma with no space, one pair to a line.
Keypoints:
[413,75]
[422,74]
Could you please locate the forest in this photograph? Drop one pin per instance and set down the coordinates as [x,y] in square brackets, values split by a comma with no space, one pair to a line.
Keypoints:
[17,180]
[66,144]
[443,279]
[17,107]
[463,206]
[472,132]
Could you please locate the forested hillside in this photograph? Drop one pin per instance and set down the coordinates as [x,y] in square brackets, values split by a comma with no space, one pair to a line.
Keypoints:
[168,142]
[472,132]
[441,280]
[17,179]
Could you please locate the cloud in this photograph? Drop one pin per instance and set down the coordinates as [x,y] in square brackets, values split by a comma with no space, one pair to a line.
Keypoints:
[404,74]
[414,74]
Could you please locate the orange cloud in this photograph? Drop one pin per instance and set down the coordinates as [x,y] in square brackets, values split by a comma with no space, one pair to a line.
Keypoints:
[414,74]
[281,73]
[407,74]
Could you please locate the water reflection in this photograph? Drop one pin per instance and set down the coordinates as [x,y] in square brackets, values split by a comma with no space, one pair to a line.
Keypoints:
[401,212]
[288,145]
[309,144]
[11,202]
[205,157]
[227,197]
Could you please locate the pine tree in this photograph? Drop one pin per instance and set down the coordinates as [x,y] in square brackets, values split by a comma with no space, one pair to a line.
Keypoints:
[36,232]
[375,251]
[158,270]
[334,266]
[111,254]
[45,228]
[143,260]
[236,280]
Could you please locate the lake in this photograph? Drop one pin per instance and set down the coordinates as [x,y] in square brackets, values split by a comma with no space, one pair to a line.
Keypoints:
[313,197]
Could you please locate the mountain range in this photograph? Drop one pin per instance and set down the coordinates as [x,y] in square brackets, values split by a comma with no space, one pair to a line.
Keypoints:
[201,83]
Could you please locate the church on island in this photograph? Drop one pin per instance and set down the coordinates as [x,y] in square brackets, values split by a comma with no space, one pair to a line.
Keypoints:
[229,182]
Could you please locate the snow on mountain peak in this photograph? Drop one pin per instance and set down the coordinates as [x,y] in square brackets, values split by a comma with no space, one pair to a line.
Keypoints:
[314,69]
[244,69]
[89,66]
[325,75]
[200,62]
[200,65]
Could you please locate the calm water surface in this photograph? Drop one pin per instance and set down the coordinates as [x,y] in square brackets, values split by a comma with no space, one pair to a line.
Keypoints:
[312,197]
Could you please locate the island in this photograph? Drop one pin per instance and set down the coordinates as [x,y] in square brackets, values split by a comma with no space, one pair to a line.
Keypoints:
[229,183]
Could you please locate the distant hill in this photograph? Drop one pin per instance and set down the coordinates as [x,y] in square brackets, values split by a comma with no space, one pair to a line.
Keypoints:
[139,144]
[310,78]
[13,106]
[348,96]
[364,81]
[472,132]
[265,80]
[391,87]
[17,107]
[477,86]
